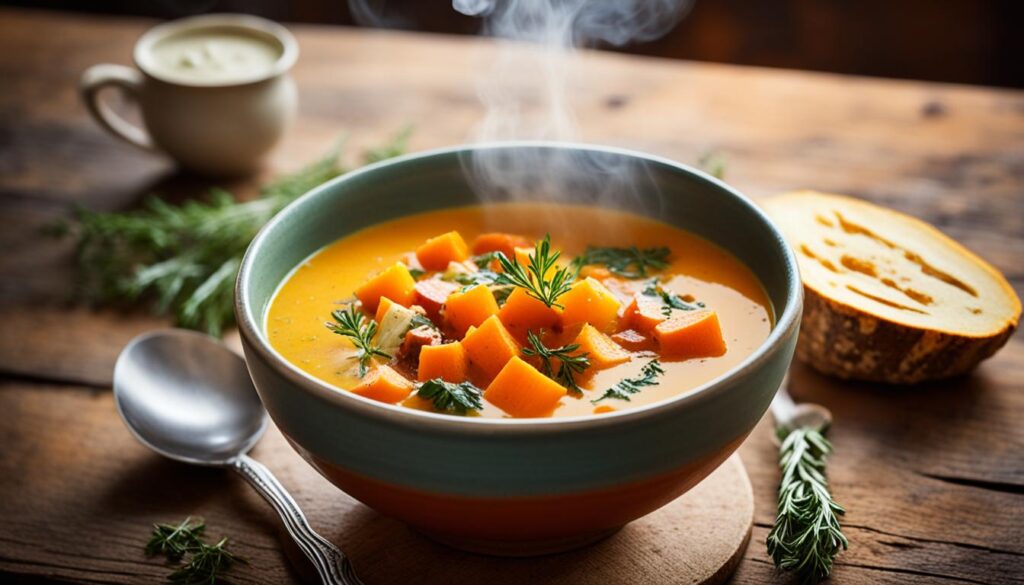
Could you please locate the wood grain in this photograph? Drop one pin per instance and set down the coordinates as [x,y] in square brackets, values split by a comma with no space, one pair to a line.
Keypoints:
[933,476]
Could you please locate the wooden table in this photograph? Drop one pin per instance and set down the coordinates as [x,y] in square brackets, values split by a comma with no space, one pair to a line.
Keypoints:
[933,476]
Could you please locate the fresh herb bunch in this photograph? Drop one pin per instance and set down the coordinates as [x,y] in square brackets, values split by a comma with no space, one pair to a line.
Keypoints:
[206,562]
[450,397]
[350,322]
[532,278]
[570,365]
[629,386]
[806,537]
[670,300]
[629,262]
[185,257]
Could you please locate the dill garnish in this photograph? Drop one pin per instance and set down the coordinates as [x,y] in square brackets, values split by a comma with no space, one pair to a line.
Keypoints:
[532,278]
[629,262]
[669,299]
[628,386]
[570,363]
[353,324]
[206,562]
[450,397]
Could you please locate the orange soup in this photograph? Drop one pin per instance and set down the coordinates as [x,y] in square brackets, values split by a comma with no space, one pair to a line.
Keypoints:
[519,310]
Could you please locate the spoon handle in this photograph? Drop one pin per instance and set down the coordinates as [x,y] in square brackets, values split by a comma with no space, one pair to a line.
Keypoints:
[331,564]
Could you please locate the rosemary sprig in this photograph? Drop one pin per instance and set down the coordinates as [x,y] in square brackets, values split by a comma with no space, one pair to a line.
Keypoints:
[206,564]
[353,324]
[174,540]
[184,258]
[452,398]
[532,278]
[570,364]
[629,262]
[628,386]
[806,536]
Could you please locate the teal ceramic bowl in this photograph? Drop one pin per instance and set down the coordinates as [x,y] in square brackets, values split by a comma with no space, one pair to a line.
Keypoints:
[532,485]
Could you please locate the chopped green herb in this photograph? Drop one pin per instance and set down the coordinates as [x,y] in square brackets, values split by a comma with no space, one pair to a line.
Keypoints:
[470,279]
[501,293]
[570,363]
[629,386]
[421,320]
[450,397]
[351,323]
[416,273]
[669,299]
[206,565]
[174,540]
[629,262]
[532,278]
[483,261]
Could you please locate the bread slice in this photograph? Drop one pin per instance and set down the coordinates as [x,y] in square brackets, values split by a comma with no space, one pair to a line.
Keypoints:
[888,297]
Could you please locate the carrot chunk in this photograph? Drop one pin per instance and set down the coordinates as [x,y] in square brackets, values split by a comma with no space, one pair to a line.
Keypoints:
[499,242]
[522,313]
[690,334]
[643,314]
[589,301]
[522,391]
[490,346]
[470,308]
[432,293]
[394,282]
[384,385]
[436,253]
[604,408]
[447,361]
[602,352]
[382,308]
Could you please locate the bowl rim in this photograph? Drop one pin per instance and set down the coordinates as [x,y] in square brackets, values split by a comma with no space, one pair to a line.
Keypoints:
[786,324]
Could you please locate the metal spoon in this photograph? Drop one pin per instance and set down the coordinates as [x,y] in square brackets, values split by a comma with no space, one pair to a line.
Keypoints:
[792,415]
[186,396]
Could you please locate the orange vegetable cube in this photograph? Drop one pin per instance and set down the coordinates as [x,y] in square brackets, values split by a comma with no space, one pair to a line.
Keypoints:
[690,334]
[470,308]
[382,308]
[522,313]
[394,282]
[447,361]
[385,385]
[643,313]
[604,408]
[436,253]
[589,301]
[498,242]
[602,352]
[522,391]
[633,340]
[490,346]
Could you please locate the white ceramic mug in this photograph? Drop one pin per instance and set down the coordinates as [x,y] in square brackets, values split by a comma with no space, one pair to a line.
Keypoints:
[215,125]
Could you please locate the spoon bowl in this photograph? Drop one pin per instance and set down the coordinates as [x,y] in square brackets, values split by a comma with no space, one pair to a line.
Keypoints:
[188,397]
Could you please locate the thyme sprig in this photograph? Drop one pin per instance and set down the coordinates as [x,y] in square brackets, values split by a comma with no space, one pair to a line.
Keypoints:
[629,262]
[184,258]
[450,397]
[629,386]
[206,562]
[353,324]
[533,277]
[174,540]
[570,362]
[806,536]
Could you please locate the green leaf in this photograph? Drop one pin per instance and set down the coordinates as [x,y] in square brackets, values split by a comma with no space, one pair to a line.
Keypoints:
[450,397]
[629,386]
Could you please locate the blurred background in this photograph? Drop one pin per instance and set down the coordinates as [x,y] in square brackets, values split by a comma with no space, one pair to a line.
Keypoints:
[960,41]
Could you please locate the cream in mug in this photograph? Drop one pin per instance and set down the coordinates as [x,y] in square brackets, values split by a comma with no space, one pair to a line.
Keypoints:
[214,55]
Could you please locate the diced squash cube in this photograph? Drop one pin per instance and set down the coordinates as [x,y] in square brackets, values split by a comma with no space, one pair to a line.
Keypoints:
[499,242]
[432,293]
[382,308]
[522,391]
[384,385]
[470,308]
[522,313]
[394,282]
[643,314]
[589,301]
[602,352]
[690,334]
[604,408]
[633,340]
[447,361]
[436,253]
[490,346]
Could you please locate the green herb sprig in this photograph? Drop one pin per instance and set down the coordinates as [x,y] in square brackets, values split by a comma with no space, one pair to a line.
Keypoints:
[806,536]
[670,300]
[185,257]
[353,324]
[450,397]
[629,386]
[206,562]
[571,363]
[629,262]
[532,278]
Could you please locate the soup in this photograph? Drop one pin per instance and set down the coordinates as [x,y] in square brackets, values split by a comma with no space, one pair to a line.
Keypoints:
[566,311]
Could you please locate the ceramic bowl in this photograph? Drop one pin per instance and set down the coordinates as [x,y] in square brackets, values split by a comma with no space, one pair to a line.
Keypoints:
[507,486]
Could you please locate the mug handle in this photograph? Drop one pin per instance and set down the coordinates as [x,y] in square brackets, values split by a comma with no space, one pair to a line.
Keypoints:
[129,82]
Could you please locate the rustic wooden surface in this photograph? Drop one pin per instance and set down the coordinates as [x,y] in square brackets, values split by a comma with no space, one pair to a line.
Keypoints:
[933,476]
